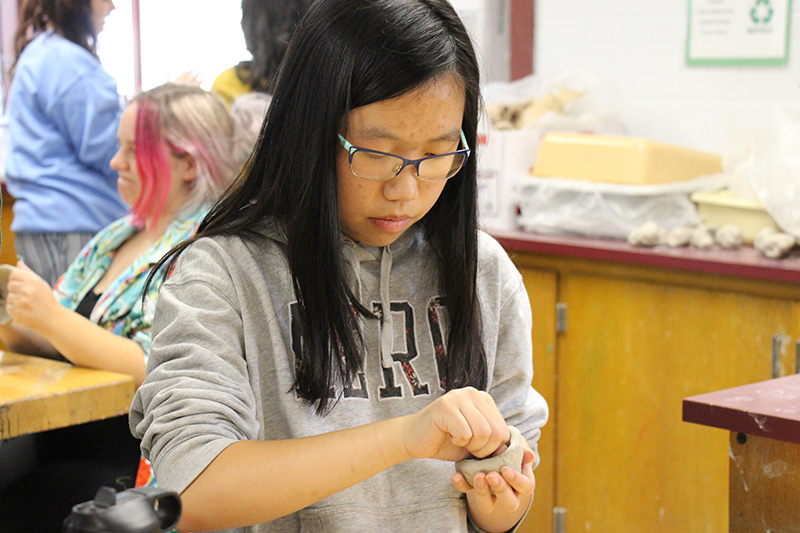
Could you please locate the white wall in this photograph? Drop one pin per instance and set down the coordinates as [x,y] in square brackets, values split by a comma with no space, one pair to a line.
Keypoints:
[176,36]
[488,23]
[641,46]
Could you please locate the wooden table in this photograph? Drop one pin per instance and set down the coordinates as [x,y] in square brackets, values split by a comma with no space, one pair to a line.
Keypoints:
[39,394]
[764,468]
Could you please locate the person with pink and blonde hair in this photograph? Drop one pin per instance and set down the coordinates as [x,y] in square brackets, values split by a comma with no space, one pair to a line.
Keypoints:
[174,160]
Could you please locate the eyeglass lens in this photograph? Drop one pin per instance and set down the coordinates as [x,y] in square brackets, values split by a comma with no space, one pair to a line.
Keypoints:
[382,167]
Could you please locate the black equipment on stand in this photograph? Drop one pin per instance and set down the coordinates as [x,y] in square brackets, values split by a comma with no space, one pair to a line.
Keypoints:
[142,510]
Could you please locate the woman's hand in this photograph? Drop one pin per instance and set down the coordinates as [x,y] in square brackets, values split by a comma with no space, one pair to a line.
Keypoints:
[467,422]
[461,423]
[30,301]
[499,491]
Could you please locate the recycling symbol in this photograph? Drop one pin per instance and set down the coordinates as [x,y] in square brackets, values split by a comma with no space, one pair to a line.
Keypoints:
[761,12]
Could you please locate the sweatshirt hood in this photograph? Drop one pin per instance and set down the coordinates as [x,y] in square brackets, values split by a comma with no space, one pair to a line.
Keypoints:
[355,255]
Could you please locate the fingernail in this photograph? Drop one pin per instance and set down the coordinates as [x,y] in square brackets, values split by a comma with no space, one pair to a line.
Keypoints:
[493,481]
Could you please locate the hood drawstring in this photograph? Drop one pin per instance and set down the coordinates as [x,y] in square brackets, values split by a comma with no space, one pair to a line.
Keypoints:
[387,328]
[355,254]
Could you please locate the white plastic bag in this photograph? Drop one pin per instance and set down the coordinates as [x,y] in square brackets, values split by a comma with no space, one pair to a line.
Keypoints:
[573,101]
[772,170]
[605,210]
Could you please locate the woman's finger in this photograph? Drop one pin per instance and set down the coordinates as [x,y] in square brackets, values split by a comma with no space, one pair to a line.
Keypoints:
[460,483]
[482,442]
[505,496]
[520,482]
[482,494]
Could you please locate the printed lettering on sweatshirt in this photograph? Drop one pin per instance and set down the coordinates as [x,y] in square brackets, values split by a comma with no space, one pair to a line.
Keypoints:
[405,358]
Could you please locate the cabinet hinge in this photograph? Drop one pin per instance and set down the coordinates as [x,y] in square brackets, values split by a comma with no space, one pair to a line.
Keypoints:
[561,318]
[558,519]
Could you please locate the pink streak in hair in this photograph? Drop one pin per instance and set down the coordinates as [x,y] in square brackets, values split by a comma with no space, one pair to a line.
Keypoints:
[151,164]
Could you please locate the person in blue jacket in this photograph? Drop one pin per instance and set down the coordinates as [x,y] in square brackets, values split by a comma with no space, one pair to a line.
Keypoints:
[64,111]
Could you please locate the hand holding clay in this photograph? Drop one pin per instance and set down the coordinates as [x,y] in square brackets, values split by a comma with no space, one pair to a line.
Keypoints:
[29,299]
[511,457]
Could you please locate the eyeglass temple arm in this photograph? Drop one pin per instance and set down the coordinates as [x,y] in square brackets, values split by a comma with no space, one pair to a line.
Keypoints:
[349,147]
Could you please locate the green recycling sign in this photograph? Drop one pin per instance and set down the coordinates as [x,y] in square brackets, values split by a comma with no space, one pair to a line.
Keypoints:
[738,32]
[761,12]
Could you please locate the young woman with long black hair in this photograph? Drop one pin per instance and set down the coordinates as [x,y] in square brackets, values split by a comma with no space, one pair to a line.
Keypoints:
[339,330]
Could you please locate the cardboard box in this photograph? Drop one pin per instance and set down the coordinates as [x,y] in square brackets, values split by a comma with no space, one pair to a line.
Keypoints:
[503,157]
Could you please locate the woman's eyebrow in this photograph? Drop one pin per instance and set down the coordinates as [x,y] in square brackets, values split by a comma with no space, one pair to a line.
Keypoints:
[376,132]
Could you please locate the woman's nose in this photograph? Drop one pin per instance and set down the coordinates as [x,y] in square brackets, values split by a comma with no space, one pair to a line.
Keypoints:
[116,161]
[403,187]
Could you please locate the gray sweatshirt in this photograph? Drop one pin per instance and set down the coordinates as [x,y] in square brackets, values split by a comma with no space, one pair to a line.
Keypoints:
[221,370]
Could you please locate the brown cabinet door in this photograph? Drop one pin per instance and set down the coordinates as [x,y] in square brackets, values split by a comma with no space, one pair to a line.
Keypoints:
[631,352]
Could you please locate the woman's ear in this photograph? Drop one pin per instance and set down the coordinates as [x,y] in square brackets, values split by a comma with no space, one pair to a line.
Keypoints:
[190,168]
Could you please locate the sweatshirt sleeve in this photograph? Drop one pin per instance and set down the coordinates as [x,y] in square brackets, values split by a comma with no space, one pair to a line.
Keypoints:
[197,399]
[512,366]
[522,406]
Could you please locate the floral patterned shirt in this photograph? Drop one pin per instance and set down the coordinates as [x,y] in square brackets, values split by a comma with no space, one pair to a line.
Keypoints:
[119,309]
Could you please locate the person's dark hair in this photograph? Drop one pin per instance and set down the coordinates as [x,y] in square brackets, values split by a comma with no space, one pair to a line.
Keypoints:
[268,27]
[344,55]
[69,18]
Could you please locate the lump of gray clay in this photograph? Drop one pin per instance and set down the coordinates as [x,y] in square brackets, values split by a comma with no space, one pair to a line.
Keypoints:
[648,234]
[511,457]
[5,271]
[729,237]
[773,244]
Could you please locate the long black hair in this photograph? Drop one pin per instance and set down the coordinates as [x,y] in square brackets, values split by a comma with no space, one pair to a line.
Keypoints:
[346,54]
[69,18]
[268,26]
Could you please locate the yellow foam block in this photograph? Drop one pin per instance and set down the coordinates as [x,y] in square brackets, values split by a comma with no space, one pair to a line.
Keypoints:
[617,159]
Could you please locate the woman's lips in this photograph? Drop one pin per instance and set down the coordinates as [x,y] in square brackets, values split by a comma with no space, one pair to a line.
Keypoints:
[391,225]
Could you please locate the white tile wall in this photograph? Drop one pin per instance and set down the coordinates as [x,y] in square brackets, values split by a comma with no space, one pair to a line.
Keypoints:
[641,46]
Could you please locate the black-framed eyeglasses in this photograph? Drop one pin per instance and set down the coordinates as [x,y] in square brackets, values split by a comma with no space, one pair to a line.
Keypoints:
[383,166]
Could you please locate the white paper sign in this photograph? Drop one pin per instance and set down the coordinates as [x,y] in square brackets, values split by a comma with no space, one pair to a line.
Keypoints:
[738,32]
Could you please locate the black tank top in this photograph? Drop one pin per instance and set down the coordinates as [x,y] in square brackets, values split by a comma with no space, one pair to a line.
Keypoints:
[87,304]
